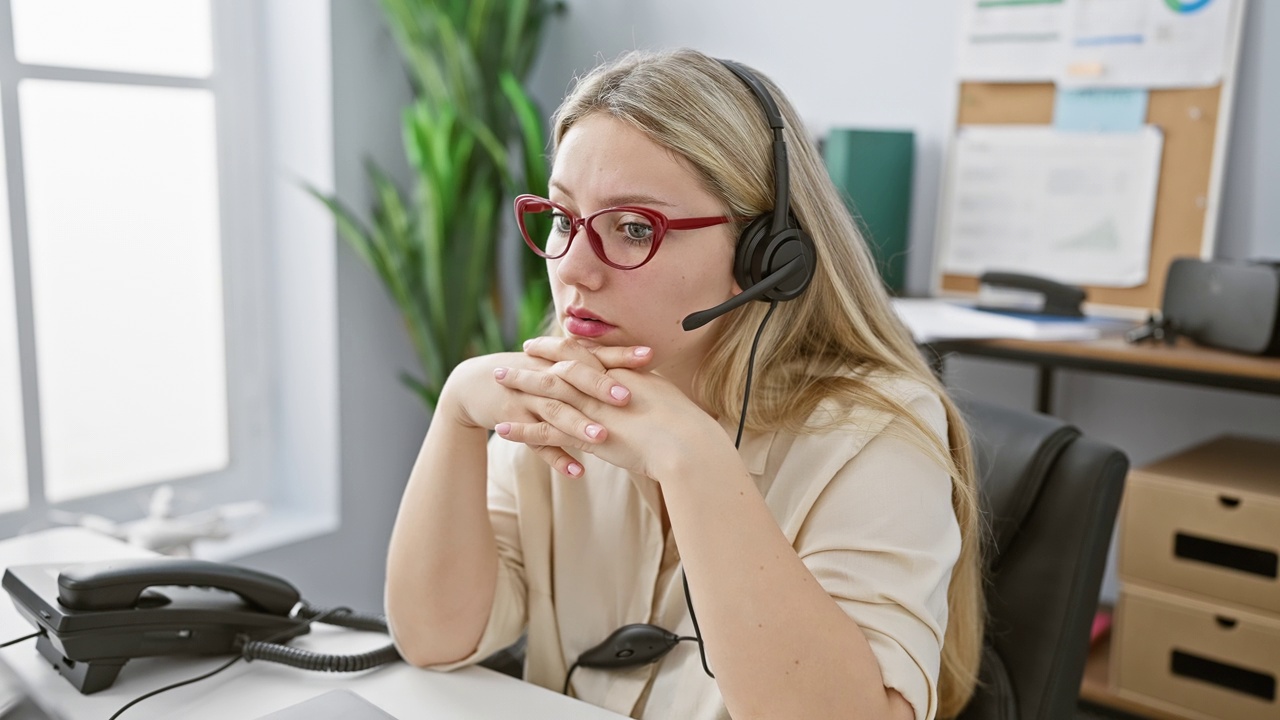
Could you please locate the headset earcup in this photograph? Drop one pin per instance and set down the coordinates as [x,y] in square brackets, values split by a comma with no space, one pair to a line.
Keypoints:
[792,243]
[760,254]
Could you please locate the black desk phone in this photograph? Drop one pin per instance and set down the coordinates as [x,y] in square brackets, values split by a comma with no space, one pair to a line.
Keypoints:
[95,617]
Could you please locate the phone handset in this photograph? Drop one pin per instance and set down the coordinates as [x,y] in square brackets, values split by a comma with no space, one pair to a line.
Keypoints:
[118,584]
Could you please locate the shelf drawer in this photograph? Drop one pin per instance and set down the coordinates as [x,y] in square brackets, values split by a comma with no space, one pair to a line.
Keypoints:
[1195,658]
[1207,521]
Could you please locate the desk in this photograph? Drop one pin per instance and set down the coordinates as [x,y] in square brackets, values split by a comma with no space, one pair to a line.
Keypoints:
[1184,362]
[251,690]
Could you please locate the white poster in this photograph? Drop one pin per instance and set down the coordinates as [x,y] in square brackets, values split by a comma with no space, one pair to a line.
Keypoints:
[1011,41]
[1148,43]
[1073,207]
[1098,43]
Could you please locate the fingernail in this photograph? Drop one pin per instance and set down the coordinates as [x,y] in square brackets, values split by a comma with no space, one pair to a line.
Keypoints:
[593,430]
[619,393]
[502,428]
[499,373]
[642,351]
[574,469]
[527,343]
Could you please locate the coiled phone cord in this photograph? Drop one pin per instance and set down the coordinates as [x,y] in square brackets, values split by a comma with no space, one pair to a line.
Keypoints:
[326,662]
[297,657]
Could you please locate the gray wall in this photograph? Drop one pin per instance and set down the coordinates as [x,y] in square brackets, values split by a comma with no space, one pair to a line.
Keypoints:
[1249,216]
[886,65]
[381,423]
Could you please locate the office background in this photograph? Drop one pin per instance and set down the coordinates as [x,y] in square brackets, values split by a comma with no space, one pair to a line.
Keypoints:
[876,65]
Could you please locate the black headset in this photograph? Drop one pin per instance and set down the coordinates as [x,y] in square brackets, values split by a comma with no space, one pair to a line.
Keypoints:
[775,258]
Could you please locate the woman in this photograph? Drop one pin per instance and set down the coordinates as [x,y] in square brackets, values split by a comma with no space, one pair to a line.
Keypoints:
[832,561]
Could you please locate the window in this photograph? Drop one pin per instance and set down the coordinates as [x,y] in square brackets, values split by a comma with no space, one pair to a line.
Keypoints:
[131,345]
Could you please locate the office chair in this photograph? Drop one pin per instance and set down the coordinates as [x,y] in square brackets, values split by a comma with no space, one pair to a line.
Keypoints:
[1050,495]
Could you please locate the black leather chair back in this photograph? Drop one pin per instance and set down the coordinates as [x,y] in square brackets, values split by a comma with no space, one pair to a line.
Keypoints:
[1050,495]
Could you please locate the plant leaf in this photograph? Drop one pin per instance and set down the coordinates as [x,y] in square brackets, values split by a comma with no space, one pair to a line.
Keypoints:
[472,136]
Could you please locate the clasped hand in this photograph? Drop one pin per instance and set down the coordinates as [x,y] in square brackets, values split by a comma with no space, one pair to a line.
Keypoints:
[562,394]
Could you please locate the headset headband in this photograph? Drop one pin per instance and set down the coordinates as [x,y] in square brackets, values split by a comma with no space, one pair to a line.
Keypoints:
[781,180]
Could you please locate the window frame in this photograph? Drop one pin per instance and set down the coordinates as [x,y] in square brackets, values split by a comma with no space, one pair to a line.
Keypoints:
[246,278]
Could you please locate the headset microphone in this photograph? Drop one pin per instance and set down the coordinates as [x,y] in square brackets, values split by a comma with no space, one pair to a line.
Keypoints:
[793,268]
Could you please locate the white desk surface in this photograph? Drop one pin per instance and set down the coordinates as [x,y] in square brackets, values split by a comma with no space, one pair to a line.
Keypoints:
[252,690]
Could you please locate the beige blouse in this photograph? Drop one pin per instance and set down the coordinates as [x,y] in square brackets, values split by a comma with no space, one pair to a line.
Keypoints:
[867,512]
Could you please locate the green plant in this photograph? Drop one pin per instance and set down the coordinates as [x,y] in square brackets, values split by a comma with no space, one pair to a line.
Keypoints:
[474,138]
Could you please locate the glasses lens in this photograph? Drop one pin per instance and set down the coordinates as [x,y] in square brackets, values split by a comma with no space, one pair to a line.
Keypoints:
[627,237]
[546,228]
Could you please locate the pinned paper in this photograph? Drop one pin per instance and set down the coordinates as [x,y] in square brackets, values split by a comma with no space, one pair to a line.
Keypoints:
[1103,110]
[1075,207]
[1147,43]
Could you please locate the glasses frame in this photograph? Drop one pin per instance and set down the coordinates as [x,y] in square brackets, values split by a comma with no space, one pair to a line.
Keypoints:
[661,224]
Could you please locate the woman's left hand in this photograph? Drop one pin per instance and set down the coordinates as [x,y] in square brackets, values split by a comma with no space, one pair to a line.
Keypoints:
[658,423]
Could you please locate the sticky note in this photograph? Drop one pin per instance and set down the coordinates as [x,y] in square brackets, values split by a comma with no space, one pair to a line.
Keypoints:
[1086,69]
[1099,110]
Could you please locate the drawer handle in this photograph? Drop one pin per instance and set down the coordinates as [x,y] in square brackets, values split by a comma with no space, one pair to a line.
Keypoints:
[1255,561]
[1229,502]
[1225,623]
[1234,677]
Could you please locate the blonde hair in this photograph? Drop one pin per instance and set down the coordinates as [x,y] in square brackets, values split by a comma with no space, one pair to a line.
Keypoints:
[830,343]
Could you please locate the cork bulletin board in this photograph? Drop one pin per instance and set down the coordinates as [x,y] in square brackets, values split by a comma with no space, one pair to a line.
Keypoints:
[1194,122]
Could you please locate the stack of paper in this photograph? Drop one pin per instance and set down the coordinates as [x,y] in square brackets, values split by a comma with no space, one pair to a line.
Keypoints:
[932,320]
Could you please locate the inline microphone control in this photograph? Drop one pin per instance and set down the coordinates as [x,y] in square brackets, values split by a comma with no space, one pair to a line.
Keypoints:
[630,645]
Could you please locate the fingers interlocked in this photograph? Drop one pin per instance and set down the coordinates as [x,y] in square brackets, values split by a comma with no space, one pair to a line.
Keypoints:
[563,397]
[556,402]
